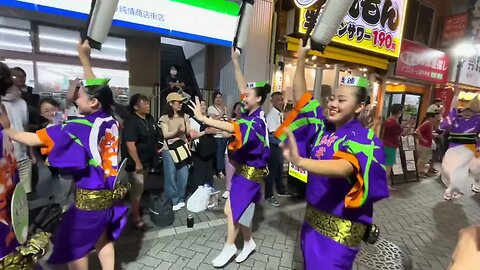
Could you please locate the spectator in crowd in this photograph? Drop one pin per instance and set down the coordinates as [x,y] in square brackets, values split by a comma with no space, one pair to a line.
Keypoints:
[229,168]
[391,138]
[139,136]
[203,151]
[49,108]
[17,111]
[175,127]
[20,80]
[275,162]
[437,105]
[425,141]
[218,112]
[173,81]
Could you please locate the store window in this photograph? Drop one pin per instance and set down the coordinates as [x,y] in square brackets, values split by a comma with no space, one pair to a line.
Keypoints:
[53,79]
[64,42]
[15,35]
[419,22]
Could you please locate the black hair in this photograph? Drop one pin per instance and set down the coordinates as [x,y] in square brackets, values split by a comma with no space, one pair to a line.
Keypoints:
[103,94]
[396,108]
[277,94]
[361,95]
[238,103]
[263,92]
[135,99]
[175,66]
[19,69]
[171,113]
[50,101]
[5,79]
[215,94]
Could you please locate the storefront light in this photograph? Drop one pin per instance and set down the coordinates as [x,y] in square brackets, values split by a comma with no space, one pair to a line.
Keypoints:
[465,49]
[314,57]
[75,41]
[15,45]
[14,32]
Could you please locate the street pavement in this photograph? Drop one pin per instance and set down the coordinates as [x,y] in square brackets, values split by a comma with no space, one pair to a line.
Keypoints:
[419,230]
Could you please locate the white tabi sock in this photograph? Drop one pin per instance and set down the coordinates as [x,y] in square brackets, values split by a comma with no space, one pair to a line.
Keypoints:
[248,248]
[224,257]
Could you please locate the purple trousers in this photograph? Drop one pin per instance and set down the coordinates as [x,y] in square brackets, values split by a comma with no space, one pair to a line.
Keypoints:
[319,250]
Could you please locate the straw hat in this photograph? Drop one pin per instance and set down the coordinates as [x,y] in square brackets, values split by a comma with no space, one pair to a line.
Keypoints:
[175,97]
[473,104]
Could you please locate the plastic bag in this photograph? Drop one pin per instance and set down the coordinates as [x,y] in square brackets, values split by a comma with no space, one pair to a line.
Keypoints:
[198,202]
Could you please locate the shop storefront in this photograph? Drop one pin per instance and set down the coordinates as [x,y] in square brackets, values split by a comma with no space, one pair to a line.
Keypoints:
[368,39]
[43,35]
[365,43]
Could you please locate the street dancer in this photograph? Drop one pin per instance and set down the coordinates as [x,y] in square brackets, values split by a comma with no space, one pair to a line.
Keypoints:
[13,255]
[249,151]
[346,173]
[88,148]
[459,165]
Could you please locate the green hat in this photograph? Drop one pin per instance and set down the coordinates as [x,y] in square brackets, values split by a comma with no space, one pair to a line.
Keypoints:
[355,81]
[257,84]
[94,82]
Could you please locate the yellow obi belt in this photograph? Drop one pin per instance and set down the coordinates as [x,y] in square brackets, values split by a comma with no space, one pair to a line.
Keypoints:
[25,257]
[97,200]
[252,173]
[340,230]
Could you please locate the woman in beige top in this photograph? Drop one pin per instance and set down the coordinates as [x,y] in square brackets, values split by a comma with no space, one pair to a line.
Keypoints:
[175,126]
[218,111]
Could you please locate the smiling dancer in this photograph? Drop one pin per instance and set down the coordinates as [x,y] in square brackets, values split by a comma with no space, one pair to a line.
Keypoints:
[249,151]
[459,161]
[346,169]
[88,148]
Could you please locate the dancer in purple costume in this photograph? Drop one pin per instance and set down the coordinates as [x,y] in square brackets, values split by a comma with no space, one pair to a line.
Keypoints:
[88,148]
[346,172]
[460,165]
[13,255]
[249,153]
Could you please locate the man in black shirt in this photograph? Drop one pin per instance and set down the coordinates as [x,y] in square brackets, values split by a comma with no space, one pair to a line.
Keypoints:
[140,136]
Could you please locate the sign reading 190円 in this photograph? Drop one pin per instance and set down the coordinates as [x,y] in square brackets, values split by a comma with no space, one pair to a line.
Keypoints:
[374,25]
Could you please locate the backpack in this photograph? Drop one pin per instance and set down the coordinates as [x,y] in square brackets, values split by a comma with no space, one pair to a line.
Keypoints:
[161,210]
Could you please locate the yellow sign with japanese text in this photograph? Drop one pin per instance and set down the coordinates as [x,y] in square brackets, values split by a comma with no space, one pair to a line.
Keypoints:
[298,173]
[373,25]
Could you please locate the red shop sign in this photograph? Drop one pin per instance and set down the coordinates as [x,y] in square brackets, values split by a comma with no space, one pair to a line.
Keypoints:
[455,27]
[419,62]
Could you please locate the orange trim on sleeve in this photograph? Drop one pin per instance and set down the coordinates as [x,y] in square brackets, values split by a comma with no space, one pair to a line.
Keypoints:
[355,195]
[237,134]
[46,140]
[293,114]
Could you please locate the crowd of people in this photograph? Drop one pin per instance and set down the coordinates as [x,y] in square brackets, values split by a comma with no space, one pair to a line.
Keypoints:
[87,142]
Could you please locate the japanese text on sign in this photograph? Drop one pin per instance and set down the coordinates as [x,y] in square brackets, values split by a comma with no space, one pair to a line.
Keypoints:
[140,13]
[420,62]
[374,25]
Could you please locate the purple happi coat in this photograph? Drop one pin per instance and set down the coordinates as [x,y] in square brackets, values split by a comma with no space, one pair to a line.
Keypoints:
[88,148]
[349,199]
[462,127]
[8,180]
[249,148]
